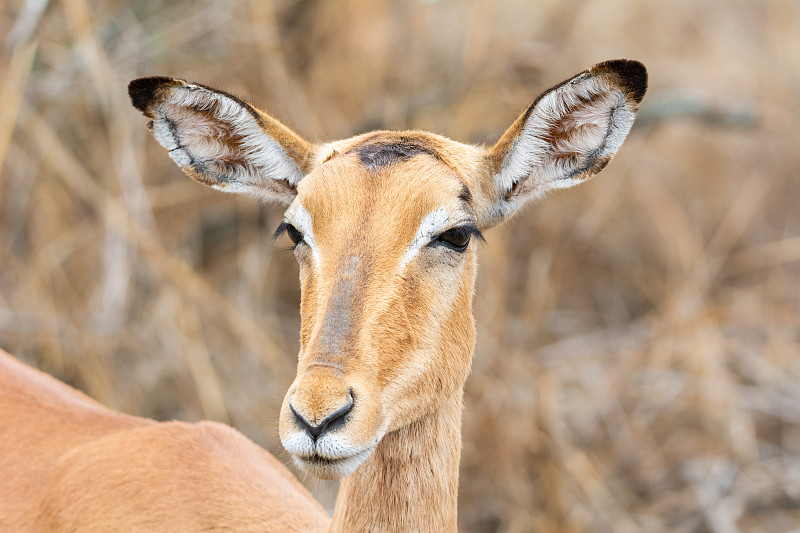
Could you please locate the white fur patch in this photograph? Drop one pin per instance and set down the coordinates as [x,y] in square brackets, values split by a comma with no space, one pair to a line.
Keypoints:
[581,121]
[219,137]
[432,224]
[300,218]
[332,446]
[345,456]
[299,443]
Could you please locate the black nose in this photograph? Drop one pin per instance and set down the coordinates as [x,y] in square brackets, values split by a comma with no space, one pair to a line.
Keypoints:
[333,420]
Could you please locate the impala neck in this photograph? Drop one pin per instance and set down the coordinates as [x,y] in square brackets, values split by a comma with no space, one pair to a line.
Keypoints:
[410,482]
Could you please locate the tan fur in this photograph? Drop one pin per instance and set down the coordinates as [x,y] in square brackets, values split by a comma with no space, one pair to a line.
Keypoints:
[387,331]
[68,464]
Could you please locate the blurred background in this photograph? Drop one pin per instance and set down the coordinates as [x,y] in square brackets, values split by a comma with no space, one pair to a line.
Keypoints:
[638,357]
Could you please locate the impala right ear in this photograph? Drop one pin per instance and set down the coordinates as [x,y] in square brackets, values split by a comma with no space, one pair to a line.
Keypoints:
[222,141]
[566,136]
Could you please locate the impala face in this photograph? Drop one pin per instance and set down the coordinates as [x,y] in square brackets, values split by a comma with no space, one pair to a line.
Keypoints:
[387,328]
[385,227]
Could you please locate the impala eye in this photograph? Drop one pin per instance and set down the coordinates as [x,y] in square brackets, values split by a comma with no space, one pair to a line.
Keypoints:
[458,238]
[293,233]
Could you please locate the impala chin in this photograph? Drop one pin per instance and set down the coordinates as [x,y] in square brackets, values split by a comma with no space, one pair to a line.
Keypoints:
[330,457]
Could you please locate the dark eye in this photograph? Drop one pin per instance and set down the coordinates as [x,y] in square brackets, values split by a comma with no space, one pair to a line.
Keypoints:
[456,238]
[294,234]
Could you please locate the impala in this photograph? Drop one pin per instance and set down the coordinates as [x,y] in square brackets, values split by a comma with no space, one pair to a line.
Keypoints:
[384,227]
[68,464]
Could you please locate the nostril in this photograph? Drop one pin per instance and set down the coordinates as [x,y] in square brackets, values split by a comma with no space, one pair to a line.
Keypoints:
[331,421]
[337,418]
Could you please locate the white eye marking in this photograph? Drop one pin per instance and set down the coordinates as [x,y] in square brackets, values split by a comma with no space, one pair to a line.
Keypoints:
[434,223]
[301,219]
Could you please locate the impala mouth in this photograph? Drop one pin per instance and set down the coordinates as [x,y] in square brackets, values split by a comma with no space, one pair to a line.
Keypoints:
[320,460]
[326,467]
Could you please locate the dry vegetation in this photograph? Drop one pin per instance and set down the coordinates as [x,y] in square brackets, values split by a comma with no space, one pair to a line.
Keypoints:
[638,358]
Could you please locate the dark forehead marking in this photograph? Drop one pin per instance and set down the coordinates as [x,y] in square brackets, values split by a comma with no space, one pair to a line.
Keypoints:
[375,154]
[379,151]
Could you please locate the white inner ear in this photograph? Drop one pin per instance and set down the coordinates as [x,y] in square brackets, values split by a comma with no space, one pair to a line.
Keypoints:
[217,135]
[570,127]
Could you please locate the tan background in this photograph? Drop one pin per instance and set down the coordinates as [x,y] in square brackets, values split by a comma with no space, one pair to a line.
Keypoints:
[638,357]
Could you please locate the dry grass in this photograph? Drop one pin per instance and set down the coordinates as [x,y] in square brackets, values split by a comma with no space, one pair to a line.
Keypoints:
[638,358]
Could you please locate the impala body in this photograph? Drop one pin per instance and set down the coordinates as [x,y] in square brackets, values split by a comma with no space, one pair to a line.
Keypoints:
[68,464]
[384,227]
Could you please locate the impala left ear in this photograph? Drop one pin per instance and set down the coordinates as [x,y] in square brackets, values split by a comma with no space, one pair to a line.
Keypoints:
[567,135]
[221,140]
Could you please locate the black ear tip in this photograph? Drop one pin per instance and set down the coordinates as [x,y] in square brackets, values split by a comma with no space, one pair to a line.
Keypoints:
[632,74]
[142,90]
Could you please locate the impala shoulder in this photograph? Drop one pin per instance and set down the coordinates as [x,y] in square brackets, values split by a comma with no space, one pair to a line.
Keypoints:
[200,477]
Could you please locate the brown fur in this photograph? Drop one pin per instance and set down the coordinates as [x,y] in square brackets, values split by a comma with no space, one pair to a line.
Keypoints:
[626,74]
[387,331]
[68,464]
[409,342]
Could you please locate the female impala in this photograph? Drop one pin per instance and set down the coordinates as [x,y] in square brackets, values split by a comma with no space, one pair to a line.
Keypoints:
[383,226]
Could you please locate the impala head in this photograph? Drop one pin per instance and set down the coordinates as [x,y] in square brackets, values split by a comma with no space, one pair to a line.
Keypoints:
[385,228]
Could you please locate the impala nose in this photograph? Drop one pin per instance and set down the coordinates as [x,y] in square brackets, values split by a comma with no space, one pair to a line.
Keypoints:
[332,421]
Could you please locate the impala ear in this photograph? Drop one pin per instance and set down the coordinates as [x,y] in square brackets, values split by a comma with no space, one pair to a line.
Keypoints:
[567,135]
[222,141]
